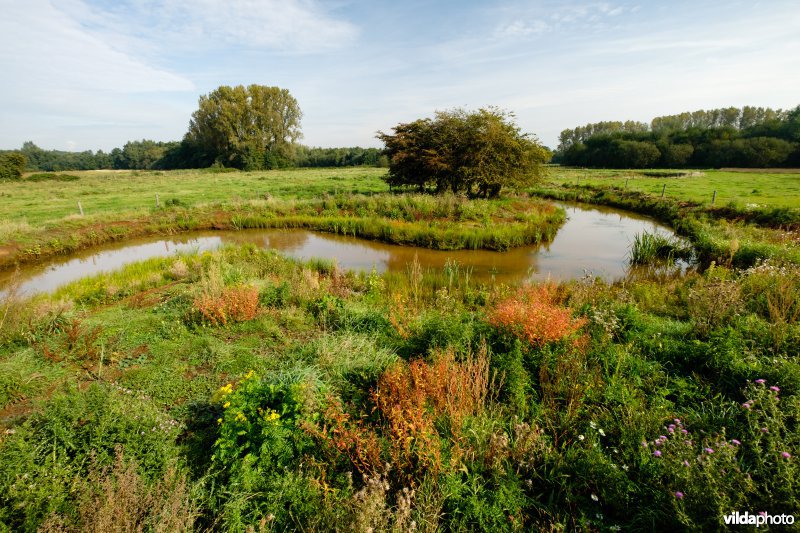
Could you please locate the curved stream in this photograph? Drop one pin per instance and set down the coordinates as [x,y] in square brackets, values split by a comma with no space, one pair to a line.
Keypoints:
[594,239]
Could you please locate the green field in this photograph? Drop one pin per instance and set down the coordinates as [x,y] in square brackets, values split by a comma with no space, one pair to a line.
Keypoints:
[238,390]
[754,189]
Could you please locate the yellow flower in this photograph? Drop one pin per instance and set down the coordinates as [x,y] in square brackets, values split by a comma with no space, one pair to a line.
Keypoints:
[219,421]
[226,405]
[240,417]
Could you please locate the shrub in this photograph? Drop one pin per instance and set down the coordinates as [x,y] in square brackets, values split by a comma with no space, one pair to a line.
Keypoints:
[12,165]
[234,304]
[534,314]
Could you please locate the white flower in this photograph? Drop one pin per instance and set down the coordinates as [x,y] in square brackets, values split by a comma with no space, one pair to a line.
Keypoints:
[594,426]
[594,497]
[602,433]
[581,437]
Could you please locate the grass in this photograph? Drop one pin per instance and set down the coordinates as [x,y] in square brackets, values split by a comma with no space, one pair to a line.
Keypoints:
[755,189]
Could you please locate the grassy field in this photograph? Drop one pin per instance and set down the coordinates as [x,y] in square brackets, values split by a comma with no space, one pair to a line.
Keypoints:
[238,390]
[755,189]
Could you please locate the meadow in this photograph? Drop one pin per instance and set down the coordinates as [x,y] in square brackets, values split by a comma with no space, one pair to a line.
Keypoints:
[238,390]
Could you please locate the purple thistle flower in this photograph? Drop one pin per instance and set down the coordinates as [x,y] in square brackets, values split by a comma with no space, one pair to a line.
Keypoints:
[708,450]
[786,455]
[746,405]
[761,381]
[663,437]
[685,432]
[672,426]
[685,463]
[764,430]
[679,495]
[657,453]
[775,389]
[644,444]
[677,421]
[736,442]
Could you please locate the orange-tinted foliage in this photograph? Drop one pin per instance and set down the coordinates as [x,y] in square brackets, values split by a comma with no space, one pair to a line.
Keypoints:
[234,304]
[412,397]
[535,314]
[338,433]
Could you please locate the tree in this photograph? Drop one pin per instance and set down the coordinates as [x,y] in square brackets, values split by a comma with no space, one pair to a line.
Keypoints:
[12,165]
[478,152]
[249,127]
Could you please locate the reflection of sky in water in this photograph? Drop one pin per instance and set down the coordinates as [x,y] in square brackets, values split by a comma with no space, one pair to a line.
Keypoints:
[593,239]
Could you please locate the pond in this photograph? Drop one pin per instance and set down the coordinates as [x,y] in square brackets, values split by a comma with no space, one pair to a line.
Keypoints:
[594,240]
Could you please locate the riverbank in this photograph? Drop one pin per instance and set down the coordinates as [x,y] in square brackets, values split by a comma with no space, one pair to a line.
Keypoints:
[733,235]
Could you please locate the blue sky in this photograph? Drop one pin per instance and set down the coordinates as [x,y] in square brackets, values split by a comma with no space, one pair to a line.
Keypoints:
[89,74]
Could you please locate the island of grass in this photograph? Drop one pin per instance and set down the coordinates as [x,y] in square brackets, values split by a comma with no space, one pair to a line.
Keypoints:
[352,202]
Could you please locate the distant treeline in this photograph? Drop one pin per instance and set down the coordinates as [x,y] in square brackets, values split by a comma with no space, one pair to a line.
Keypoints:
[154,155]
[754,137]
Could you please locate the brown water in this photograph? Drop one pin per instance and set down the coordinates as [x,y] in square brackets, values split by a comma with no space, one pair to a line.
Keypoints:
[594,240]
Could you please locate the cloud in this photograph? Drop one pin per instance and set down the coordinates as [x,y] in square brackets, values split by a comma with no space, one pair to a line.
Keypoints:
[286,25]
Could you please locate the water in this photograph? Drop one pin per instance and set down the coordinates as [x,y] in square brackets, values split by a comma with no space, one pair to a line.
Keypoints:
[594,239]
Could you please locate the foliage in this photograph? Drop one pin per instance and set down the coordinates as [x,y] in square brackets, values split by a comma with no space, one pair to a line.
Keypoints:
[731,137]
[12,165]
[478,152]
[535,315]
[252,128]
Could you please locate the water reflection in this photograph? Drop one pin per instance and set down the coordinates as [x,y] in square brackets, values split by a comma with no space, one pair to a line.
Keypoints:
[594,239]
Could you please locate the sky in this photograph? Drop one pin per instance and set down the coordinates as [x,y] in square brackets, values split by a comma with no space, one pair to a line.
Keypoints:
[91,74]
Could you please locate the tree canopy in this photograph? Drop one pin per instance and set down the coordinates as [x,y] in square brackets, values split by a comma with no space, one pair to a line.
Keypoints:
[251,127]
[479,152]
[728,137]
[12,165]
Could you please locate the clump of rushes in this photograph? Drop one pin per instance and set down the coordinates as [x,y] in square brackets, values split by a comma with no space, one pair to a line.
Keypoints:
[648,248]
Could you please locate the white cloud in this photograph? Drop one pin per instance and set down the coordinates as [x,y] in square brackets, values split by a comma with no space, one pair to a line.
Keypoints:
[287,25]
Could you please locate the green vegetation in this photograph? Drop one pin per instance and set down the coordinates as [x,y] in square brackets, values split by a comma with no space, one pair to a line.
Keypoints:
[478,152]
[240,389]
[731,137]
[12,165]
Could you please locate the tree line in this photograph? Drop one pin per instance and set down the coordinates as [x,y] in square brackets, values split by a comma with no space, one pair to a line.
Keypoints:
[729,137]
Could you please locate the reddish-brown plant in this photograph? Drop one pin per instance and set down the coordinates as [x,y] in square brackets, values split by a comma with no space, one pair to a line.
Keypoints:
[535,314]
[233,304]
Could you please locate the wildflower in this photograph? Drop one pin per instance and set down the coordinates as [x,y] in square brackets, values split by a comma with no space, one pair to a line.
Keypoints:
[736,442]
[708,450]
[594,426]
[602,433]
[679,495]
[685,463]
[644,444]
[594,497]
[685,432]
[764,430]
[581,437]
[657,453]
[671,426]
[786,455]
[663,438]
[678,421]
[671,430]
[775,389]
[219,421]
[761,381]
[226,405]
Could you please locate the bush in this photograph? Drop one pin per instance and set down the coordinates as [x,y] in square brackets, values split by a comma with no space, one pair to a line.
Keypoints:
[12,165]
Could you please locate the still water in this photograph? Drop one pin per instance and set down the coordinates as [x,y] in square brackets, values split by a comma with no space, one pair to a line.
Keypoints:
[594,240]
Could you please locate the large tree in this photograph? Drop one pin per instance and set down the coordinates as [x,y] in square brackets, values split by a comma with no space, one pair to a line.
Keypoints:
[249,127]
[478,152]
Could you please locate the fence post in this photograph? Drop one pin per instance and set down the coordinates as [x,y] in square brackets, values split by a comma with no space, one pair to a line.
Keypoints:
[80,208]
[156,199]
[626,183]
[663,190]
[714,198]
